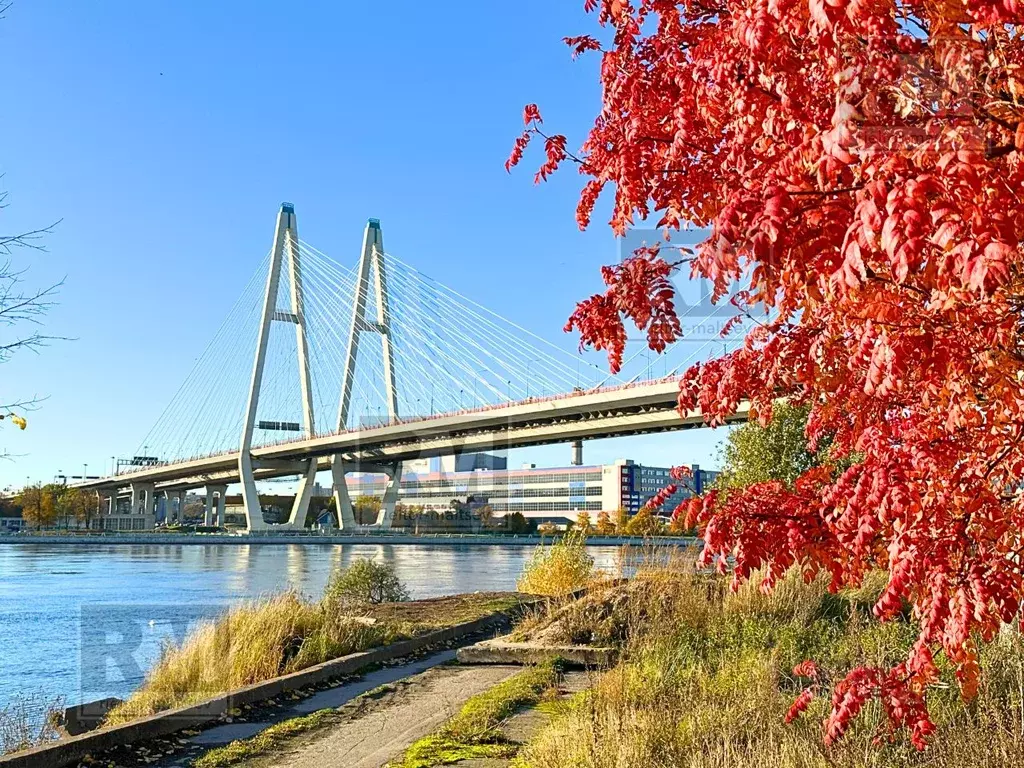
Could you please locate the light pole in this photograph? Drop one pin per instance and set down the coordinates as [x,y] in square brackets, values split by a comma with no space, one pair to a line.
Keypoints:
[531,360]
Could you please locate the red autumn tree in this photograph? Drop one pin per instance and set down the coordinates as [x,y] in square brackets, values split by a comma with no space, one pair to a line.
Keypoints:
[860,163]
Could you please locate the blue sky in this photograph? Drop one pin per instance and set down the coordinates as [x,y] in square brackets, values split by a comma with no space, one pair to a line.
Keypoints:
[165,135]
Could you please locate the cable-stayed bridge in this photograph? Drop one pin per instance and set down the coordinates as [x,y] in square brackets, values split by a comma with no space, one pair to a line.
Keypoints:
[324,367]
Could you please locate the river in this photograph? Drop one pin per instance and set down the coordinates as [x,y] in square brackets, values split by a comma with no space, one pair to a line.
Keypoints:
[86,621]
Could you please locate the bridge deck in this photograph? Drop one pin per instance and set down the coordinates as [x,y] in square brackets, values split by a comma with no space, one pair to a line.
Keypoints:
[639,408]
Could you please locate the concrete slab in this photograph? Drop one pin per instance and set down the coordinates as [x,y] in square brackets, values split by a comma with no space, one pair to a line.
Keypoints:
[503,651]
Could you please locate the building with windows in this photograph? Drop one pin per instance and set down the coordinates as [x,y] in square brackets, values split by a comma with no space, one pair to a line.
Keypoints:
[555,495]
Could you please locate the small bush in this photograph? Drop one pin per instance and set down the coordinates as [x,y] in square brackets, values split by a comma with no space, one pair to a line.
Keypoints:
[366,581]
[559,569]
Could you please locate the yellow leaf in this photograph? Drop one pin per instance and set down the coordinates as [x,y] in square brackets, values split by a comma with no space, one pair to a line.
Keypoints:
[19,421]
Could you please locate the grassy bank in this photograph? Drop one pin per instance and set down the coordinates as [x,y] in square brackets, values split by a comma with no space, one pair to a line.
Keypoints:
[286,633]
[706,680]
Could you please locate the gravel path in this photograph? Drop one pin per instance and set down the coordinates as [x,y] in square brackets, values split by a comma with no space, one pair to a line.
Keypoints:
[386,726]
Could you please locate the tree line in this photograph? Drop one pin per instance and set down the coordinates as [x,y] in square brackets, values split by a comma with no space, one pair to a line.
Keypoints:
[51,505]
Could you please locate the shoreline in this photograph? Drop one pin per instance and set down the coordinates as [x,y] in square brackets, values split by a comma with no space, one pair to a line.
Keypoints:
[227,539]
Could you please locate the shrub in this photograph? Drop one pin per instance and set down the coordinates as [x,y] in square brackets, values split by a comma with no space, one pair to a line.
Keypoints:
[366,581]
[558,569]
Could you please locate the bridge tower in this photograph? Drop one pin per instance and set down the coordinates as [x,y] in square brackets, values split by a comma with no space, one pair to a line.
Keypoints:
[371,259]
[285,249]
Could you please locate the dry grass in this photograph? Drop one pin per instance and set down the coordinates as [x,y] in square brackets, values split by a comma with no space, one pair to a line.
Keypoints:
[259,640]
[251,643]
[705,681]
[559,569]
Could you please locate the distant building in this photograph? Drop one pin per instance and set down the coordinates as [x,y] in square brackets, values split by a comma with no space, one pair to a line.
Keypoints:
[556,495]
[466,462]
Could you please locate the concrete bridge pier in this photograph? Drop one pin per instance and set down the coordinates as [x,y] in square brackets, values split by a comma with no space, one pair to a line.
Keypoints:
[219,492]
[112,500]
[208,507]
[169,514]
[343,501]
[142,498]
[181,506]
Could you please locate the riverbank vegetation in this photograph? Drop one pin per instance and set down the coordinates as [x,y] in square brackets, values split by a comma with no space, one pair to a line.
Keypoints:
[559,569]
[709,677]
[289,632]
[29,720]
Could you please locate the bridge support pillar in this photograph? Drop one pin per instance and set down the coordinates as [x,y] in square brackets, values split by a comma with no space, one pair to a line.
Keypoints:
[343,500]
[181,506]
[208,507]
[370,260]
[143,501]
[169,514]
[303,492]
[113,502]
[387,507]
[222,491]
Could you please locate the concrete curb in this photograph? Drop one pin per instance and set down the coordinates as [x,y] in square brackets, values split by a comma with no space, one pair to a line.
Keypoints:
[70,750]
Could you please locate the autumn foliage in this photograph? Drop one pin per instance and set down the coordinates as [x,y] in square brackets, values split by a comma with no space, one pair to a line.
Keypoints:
[859,164]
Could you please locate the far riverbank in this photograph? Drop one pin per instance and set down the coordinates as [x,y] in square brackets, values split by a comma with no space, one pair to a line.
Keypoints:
[442,540]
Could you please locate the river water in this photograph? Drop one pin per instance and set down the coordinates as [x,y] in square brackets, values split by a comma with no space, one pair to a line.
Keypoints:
[86,621]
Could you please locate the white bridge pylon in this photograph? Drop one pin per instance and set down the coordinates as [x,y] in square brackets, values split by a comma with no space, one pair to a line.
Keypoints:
[286,251]
[319,364]
[371,260]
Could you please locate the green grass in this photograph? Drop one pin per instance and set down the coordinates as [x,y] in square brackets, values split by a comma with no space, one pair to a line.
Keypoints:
[265,741]
[474,731]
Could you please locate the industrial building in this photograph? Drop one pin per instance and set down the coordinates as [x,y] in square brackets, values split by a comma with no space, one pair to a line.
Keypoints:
[556,494]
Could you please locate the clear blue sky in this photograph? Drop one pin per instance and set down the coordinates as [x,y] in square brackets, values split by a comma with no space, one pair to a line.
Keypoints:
[164,135]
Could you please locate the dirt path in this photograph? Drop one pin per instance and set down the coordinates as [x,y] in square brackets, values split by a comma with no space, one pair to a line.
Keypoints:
[383,727]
